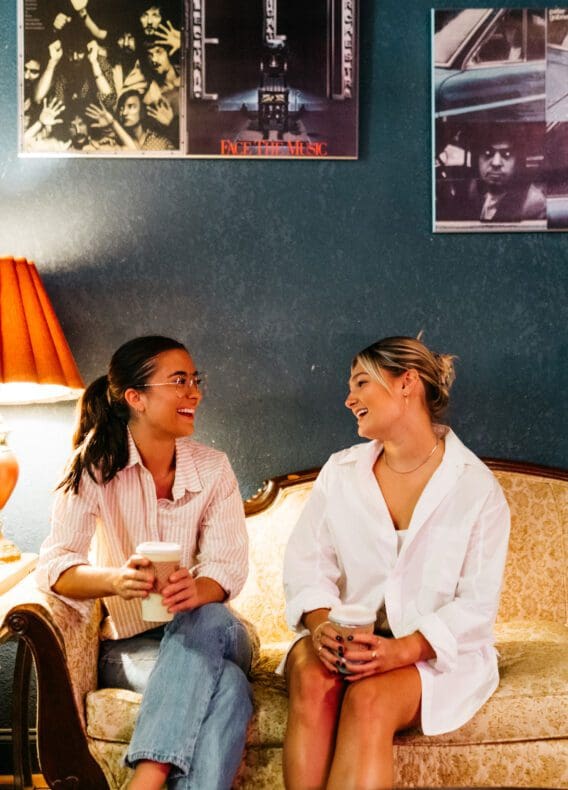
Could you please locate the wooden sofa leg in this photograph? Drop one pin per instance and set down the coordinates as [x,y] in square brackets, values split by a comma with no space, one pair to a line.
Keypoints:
[20,732]
[65,760]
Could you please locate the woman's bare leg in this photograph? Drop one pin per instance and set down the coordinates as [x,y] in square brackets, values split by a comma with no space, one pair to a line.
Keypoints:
[314,699]
[149,775]
[373,710]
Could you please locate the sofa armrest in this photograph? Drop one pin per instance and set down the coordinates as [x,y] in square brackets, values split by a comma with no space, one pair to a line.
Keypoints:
[64,646]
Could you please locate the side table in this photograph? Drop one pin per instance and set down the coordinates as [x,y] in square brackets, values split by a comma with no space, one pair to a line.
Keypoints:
[10,574]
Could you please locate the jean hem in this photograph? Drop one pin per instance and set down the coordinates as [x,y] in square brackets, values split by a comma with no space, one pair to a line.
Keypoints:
[158,757]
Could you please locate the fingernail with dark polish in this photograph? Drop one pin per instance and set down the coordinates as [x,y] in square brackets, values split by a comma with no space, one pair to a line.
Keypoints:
[339,638]
[340,651]
[349,638]
[338,664]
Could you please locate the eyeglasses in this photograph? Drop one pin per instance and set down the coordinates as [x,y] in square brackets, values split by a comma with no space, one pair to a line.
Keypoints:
[183,384]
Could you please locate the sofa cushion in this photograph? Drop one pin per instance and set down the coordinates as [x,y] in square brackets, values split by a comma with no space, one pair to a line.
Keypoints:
[530,703]
[535,576]
[111,714]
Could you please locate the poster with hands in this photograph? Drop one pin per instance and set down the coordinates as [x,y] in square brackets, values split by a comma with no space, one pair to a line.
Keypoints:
[189,78]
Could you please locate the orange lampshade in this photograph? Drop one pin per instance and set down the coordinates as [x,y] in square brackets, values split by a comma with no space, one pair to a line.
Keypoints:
[36,364]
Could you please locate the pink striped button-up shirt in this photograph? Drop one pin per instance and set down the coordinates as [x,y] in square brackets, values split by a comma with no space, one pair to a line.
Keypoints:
[205,517]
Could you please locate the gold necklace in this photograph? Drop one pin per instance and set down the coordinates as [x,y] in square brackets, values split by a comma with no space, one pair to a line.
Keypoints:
[409,471]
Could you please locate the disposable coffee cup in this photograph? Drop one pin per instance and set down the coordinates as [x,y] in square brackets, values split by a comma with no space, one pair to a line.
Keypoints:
[351,619]
[165,559]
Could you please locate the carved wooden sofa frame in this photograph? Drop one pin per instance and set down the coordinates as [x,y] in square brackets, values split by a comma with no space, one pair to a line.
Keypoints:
[49,630]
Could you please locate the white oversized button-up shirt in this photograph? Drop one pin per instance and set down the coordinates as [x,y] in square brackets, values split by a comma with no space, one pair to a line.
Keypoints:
[445,582]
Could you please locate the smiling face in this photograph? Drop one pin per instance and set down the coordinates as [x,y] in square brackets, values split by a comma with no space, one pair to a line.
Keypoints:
[160,410]
[377,406]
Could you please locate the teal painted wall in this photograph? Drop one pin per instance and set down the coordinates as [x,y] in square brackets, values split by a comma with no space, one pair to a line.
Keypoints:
[275,273]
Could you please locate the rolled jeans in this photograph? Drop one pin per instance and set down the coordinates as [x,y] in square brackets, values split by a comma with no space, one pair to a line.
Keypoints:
[196,701]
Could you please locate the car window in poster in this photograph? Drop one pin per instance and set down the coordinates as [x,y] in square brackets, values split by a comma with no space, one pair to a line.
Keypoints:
[500,119]
[189,78]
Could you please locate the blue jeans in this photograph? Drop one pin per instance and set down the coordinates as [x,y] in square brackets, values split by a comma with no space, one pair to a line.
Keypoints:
[196,700]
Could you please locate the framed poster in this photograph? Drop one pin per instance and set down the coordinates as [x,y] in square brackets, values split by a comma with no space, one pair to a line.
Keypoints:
[500,119]
[189,78]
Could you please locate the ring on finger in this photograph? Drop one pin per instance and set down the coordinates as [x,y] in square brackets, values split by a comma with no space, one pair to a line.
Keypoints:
[374,654]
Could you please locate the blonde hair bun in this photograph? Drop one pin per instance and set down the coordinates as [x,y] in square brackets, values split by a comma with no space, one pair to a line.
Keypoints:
[447,373]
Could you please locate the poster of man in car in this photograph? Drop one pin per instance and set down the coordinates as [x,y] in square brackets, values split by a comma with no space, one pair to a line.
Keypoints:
[500,119]
[189,78]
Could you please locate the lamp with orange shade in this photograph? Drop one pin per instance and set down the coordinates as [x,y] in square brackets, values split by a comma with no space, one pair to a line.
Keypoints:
[36,363]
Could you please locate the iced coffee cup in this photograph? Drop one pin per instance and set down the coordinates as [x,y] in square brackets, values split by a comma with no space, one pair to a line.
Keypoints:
[351,619]
[165,559]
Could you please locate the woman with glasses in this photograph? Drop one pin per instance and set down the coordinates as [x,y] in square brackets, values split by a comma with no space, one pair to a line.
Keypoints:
[412,528]
[136,475]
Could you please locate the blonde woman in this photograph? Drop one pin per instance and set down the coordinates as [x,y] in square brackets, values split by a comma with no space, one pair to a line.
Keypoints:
[412,525]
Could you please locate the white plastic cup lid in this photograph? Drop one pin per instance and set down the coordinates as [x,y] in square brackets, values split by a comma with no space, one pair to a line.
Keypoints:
[155,549]
[352,614]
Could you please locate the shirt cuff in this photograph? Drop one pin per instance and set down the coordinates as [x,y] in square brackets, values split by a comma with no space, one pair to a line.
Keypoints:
[47,576]
[232,583]
[307,602]
[442,641]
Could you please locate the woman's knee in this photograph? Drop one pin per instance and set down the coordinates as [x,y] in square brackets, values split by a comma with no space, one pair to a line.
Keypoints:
[211,614]
[378,704]
[214,629]
[211,617]
[312,688]
[369,711]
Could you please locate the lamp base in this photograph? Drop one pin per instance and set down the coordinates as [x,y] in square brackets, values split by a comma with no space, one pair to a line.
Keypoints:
[9,552]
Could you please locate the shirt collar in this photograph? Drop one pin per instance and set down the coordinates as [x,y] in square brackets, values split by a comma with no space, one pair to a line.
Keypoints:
[187,475]
[366,453]
[133,454]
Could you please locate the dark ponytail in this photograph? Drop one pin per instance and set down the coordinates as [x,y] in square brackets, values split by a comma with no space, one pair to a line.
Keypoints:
[100,440]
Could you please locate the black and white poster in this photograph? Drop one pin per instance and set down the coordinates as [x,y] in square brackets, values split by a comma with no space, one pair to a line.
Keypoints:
[189,78]
[500,119]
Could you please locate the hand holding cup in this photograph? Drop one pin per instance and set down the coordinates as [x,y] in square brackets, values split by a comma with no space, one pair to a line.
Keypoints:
[328,645]
[350,621]
[181,593]
[164,559]
[134,579]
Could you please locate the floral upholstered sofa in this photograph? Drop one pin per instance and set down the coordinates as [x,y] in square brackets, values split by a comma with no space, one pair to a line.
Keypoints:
[519,738]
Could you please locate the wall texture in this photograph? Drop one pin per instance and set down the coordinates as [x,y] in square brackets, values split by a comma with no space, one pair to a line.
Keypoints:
[275,273]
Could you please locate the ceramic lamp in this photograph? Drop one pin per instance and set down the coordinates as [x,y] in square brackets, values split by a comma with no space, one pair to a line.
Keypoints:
[8,479]
[36,363]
